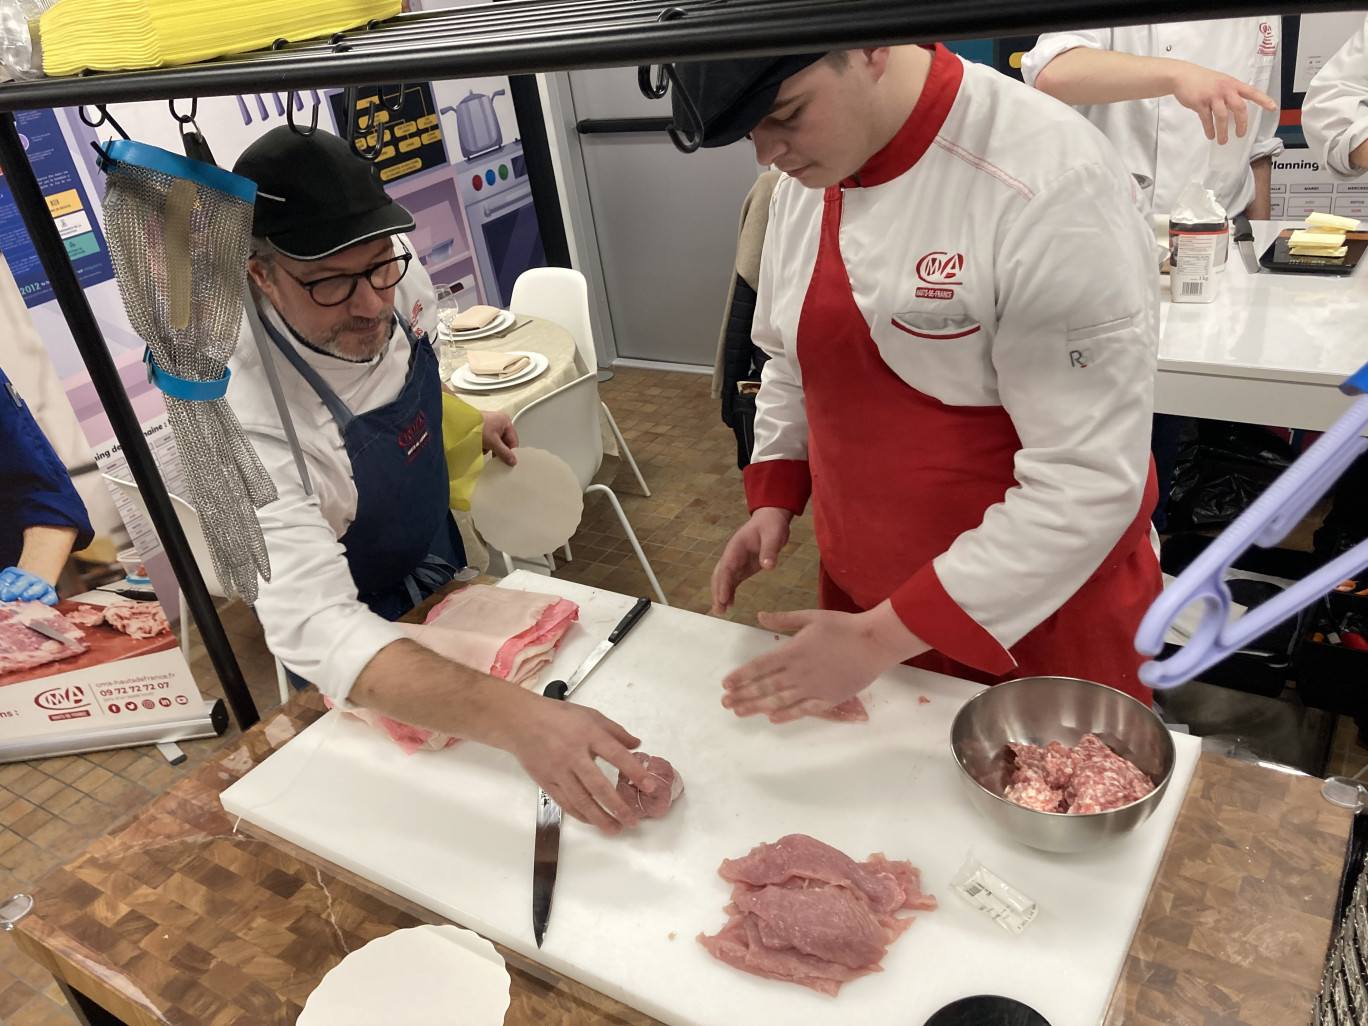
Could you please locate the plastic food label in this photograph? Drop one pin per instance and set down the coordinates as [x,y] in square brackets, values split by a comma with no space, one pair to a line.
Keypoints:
[994,897]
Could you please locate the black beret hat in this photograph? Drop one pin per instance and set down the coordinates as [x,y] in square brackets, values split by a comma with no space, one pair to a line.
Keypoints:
[733,96]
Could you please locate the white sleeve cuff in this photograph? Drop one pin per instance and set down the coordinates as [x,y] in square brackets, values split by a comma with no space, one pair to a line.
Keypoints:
[1051,44]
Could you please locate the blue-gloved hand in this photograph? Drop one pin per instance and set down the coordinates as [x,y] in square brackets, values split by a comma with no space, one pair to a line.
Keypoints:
[21,586]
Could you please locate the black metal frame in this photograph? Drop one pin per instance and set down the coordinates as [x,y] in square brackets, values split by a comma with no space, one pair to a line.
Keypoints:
[515,38]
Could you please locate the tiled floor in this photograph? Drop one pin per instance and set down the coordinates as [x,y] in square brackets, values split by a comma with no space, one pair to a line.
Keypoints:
[52,809]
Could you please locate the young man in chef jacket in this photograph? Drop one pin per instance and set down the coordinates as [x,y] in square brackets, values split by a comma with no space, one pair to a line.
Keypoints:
[349,315]
[1163,93]
[960,303]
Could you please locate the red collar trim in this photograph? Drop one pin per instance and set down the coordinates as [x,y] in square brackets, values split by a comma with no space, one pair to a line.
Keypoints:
[922,125]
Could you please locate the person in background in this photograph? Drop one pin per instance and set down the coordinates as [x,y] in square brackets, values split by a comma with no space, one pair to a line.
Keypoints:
[959,300]
[42,519]
[1162,94]
[349,315]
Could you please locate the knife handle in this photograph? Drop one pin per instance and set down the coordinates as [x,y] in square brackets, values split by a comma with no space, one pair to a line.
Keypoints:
[556,689]
[1242,230]
[629,621]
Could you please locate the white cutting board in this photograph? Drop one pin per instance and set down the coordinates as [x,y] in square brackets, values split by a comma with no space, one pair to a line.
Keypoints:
[452,830]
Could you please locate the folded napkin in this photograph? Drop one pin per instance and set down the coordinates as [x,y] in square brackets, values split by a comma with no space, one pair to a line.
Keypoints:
[500,631]
[496,365]
[474,319]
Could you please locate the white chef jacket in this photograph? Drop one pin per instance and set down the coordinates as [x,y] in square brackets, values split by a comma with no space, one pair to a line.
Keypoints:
[1161,138]
[1335,112]
[1009,266]
[313,621]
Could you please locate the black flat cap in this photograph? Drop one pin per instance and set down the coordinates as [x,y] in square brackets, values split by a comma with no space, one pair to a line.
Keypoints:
[315,196]
[733,97]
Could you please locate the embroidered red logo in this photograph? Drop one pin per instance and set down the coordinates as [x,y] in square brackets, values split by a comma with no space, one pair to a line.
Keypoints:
[1268,43]
[414,438]
[941,268]
[413,318]
[925,293]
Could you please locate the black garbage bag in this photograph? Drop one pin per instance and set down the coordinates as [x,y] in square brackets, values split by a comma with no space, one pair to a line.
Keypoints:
[1221,471]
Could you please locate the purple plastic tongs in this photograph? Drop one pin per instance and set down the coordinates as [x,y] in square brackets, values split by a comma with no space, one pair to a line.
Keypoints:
[1265,523]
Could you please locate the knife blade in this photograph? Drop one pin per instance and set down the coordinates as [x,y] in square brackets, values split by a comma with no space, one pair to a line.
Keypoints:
[545,844]
[1243,235]
[546,841]
[602,648]
[51,632]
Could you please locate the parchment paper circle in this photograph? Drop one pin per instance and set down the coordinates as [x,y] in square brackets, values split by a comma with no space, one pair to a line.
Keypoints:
[434,975]
[530,509]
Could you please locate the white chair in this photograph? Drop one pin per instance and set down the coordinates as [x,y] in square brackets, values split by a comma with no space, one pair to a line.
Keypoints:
[561,295]
[565,422]
[194,534]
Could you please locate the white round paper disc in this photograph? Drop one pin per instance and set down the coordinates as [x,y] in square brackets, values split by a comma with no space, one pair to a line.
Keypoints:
[527,510]
[435,975]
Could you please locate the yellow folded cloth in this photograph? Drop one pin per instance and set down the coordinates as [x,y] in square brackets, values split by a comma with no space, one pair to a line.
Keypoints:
[462,429]
[496,365]
[117,35]
[474,319]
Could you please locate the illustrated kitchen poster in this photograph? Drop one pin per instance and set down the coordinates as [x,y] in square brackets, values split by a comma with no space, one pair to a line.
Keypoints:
[95,670]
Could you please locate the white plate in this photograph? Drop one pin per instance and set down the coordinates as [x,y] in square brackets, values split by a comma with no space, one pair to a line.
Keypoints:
[433,975]
[462,378]
[503,320]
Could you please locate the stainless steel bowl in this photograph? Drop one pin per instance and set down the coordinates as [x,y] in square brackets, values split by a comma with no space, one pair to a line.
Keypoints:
[1044,709]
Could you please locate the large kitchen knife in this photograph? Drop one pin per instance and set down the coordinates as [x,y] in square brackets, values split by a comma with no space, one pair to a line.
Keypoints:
[546,842]
[51,632]
[1243,235]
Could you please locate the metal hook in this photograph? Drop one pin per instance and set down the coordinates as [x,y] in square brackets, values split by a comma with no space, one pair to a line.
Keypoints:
[356,134]
[398,106]
[105,118]
[692,137]
[185,119]
[293,101]
[652,90]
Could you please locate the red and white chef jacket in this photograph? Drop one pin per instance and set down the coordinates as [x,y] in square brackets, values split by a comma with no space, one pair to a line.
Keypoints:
[961,377]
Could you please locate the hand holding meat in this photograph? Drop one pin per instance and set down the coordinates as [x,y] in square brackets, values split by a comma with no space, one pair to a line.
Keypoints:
[557,745]
[832,656]
[753,548]
[1214,97]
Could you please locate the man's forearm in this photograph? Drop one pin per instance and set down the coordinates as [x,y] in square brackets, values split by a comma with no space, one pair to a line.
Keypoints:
[46,550]
[414,685]
[1261,205]
[1084,76]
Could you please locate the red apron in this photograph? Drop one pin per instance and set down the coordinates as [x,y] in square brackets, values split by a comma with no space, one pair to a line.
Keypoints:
[897,476]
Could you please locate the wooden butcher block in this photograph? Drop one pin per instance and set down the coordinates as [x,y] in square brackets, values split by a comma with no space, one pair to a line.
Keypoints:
[453,831]
[106,645]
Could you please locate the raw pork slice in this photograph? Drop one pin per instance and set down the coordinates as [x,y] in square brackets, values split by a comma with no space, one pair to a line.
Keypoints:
[137,619]
[669,786]
[24,649]
[804,912]
[852,710]
[1089,777]
[86,616]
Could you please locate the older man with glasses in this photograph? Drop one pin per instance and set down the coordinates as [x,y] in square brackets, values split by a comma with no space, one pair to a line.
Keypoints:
[349,320]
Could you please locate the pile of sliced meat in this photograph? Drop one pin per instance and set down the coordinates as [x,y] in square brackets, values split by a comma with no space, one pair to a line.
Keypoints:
[1089,777]
[136,619]
[805,913]
[24,649]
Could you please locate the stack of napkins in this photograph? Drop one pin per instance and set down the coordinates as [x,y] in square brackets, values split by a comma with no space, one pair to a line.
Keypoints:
[1323,236]
[497,365]
[117,35]
[474,319]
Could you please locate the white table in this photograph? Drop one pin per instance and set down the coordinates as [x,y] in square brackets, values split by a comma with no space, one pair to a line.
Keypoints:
[1272,348]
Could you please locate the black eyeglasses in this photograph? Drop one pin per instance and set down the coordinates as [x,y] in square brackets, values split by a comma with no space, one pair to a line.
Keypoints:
[336,289]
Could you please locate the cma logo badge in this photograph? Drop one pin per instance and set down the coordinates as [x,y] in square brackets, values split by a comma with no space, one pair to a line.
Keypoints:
[61,699]
[414,437]
[1268,45]
[941,268]
[413,319]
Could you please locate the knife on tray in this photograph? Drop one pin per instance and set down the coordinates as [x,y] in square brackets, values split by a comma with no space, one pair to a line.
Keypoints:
[546,842]
[51,632]
[1243,234]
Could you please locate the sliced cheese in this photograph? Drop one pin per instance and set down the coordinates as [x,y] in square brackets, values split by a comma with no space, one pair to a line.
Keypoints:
[1332,221]
[1328,240]
[1317,251]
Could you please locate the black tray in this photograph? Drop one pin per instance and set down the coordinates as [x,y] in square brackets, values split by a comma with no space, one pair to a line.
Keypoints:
[1276,258]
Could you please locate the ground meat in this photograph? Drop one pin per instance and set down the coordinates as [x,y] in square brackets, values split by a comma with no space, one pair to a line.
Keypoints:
[804,912]
[137,619]
[852,710]
[24,649]
[656,803]
[86,616]
[1089,777]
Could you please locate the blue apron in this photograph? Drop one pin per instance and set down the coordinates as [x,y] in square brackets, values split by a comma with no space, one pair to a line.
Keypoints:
[404,543]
